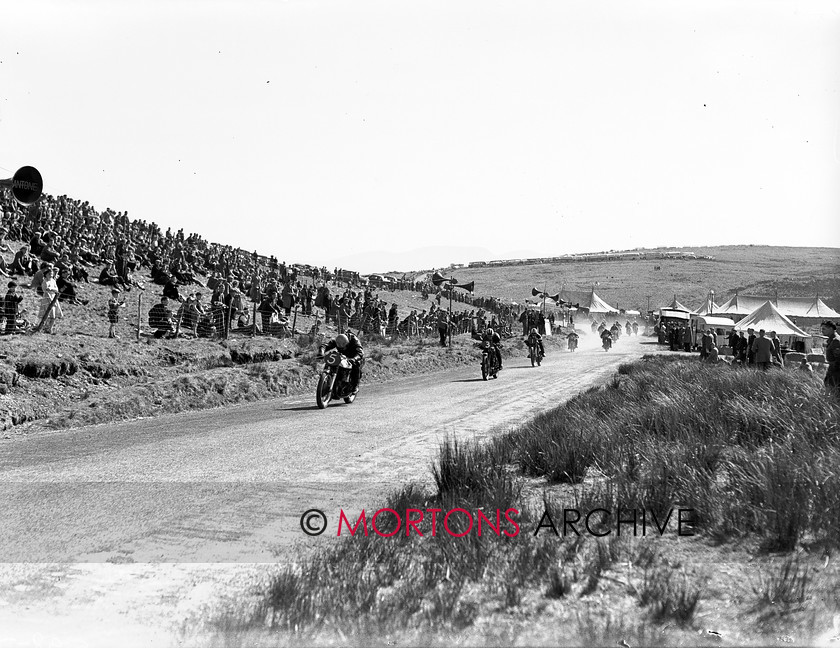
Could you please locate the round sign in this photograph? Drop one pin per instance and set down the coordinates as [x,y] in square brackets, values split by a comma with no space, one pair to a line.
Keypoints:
[27,185]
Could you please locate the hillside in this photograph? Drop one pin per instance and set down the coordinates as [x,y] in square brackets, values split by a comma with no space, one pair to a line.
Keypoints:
[629,284]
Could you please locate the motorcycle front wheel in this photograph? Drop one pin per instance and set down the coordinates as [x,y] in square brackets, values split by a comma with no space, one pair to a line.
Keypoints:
[323,394]
[533,357]
[484,368]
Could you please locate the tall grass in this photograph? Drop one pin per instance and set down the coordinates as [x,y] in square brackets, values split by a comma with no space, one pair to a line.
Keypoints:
[751,452]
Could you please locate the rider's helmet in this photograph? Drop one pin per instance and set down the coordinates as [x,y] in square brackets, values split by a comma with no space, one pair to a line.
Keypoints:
[533,331]
[341,341]
[490,331]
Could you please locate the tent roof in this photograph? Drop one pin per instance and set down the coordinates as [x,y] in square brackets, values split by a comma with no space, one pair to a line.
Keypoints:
[708,306]
[675,305]
[807,307]
[768,317]
[588,300]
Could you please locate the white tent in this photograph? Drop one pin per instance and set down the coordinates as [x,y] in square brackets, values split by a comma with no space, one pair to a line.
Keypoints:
[810,308]
[675,305]
[588,301]
[708,307]
[768,317]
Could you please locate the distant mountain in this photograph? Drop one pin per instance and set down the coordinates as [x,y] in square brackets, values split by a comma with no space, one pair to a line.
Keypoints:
[438,256]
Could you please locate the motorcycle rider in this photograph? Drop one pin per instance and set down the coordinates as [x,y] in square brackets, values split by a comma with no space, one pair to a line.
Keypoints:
[535,338]
[495,340]
[572,340]
[350,347]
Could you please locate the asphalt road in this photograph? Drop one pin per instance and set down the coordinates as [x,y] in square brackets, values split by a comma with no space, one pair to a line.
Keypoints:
[101,523]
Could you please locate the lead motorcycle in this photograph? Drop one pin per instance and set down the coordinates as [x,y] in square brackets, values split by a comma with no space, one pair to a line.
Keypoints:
[335,381]
[489,361]
[535,354]
[572,342]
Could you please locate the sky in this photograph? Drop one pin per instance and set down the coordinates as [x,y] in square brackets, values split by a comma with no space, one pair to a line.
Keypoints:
[404,135]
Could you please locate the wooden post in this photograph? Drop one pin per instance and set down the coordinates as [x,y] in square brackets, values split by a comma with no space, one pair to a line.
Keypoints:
[294,321]
[46,313]
[139,307]
[449,318]
[254,321]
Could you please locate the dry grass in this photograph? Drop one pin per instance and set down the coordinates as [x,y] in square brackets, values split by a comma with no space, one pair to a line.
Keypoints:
[670,434]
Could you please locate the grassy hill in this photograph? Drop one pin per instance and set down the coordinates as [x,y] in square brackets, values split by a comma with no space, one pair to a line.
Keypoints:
[749,269]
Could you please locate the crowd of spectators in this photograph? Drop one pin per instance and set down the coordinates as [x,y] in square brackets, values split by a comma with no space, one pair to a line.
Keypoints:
[62,242]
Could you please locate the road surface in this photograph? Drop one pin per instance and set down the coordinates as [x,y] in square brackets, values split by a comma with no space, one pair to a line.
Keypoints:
[133,531]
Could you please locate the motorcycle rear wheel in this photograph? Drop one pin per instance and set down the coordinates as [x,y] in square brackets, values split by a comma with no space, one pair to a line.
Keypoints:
[323,395]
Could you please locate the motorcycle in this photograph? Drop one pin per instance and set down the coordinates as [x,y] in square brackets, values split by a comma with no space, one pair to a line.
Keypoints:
[489,361]
[535,354]
[335,381]
[607,342]
[573,342]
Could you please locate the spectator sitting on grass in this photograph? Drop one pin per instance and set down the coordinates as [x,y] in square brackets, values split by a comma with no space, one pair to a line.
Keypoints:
[3,245]
[160,319]
[806,366]
[193,310]
[23,263]
[36,244]
[713,356]
[67,289]
[171,291]
[109,277]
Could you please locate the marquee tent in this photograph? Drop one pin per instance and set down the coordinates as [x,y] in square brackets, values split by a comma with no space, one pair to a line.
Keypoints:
[675,305]
[708,307]
[805,308]
[587,301]
[768,317]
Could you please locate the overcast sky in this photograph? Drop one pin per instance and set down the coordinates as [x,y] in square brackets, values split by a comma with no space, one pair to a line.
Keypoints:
[316,130]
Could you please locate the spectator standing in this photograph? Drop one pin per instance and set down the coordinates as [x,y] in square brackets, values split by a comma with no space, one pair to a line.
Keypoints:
[114,305]
[832,357]
[762,348]
[50,306]
[777,350]
[750,349]
[11,305]
[442,325]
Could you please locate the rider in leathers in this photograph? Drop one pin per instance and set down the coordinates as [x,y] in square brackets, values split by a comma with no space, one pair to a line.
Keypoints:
[535,338]
[349,346]
[494,339]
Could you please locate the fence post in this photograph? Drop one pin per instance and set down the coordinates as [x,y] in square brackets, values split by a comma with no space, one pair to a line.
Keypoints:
[46,314]
[254,321]
[294,321]
[139,306]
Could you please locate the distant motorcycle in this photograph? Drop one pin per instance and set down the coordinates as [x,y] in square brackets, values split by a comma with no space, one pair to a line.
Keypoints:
[606,340]
[572,342]
[489,361]
[335,381]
